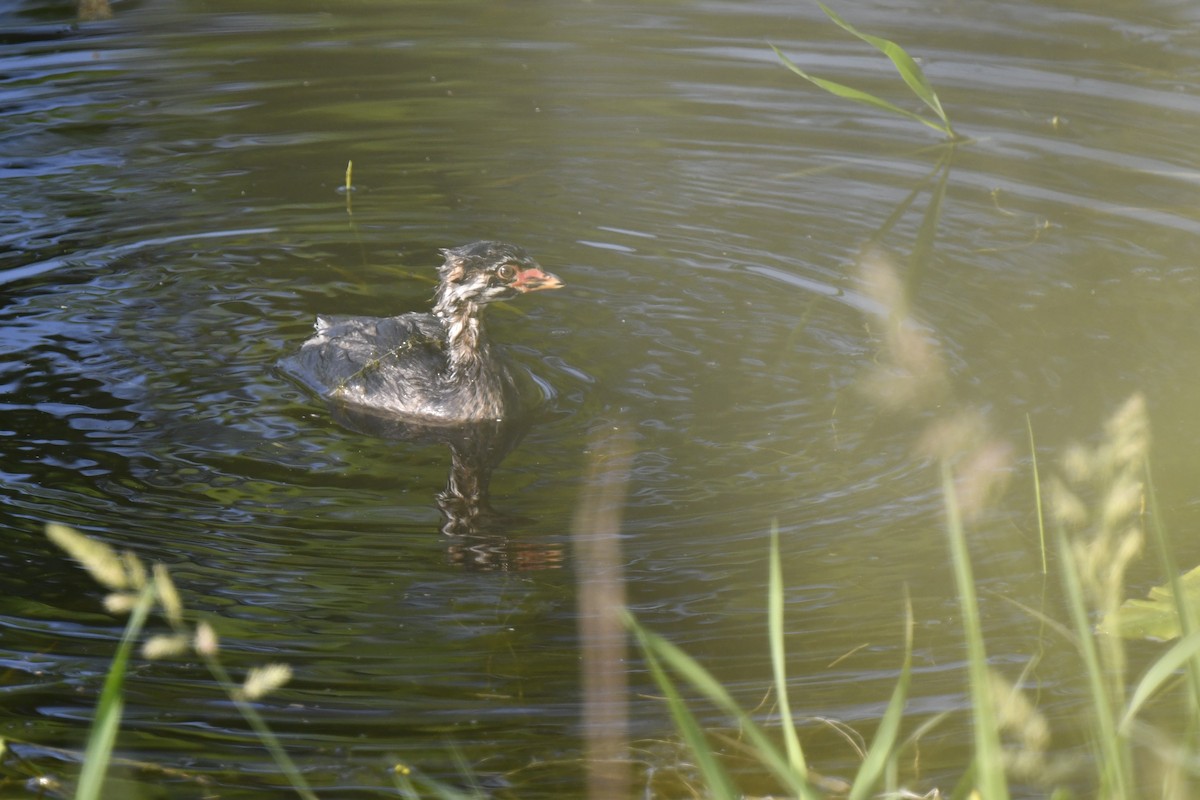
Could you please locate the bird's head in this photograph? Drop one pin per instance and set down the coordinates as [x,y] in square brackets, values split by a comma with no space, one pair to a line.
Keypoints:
[484,272]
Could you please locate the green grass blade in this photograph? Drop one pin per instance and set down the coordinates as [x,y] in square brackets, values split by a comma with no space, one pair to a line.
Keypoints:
[716,778]
[1113,756]
[909,70]
[1183,608]
[989,758]
[111,705]
[1037,493]
[1161,671]
[850,93]
[791,741]
[883,746]
[761,745]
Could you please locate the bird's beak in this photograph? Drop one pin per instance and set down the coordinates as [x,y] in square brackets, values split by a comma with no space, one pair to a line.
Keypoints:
[534,280]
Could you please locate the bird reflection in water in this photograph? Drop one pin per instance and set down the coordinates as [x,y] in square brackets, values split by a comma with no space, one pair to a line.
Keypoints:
[478,534]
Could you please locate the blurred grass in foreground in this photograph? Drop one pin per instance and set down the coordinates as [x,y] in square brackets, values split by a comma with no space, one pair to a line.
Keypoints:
[1097,509]
[139,592]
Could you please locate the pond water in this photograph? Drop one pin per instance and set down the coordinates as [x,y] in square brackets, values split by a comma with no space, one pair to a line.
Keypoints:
[175,216]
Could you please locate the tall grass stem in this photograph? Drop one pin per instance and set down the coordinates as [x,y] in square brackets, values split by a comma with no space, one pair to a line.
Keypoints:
[880,762]
[989,761]
[779,656]
[1037,494]
[109,709]
[1112,751]
[260,727]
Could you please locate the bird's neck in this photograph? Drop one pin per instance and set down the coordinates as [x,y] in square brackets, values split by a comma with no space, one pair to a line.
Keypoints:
[468,353]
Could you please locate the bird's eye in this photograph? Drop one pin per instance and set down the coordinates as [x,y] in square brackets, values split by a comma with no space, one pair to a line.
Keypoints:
[506,272]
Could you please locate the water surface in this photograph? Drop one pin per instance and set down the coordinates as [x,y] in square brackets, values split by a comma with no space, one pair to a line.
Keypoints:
[174,218]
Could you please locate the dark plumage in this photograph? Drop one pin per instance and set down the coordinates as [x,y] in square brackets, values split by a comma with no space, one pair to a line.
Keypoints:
[436,368]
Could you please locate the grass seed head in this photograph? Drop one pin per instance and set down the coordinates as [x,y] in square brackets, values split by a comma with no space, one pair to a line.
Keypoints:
[100,560]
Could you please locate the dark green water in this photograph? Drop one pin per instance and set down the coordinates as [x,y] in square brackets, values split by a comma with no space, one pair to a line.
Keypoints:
[173,220]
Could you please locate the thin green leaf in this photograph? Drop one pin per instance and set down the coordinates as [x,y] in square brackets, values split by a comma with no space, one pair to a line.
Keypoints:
[909,70]
[850,93]
[1162,670]
[779,656]
[884,744]
[1037,493]
[989,761]
[715,776]
[762,746]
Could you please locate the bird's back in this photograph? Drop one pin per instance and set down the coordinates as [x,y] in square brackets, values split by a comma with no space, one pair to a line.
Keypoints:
[393,364]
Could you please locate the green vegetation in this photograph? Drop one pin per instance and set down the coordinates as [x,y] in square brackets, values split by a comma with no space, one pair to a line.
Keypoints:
[1093,524]
[1093,547]
[909,71]
[1090,525]
[138,592]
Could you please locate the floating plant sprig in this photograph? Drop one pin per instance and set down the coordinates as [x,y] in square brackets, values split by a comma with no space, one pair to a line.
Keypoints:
[908,68]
